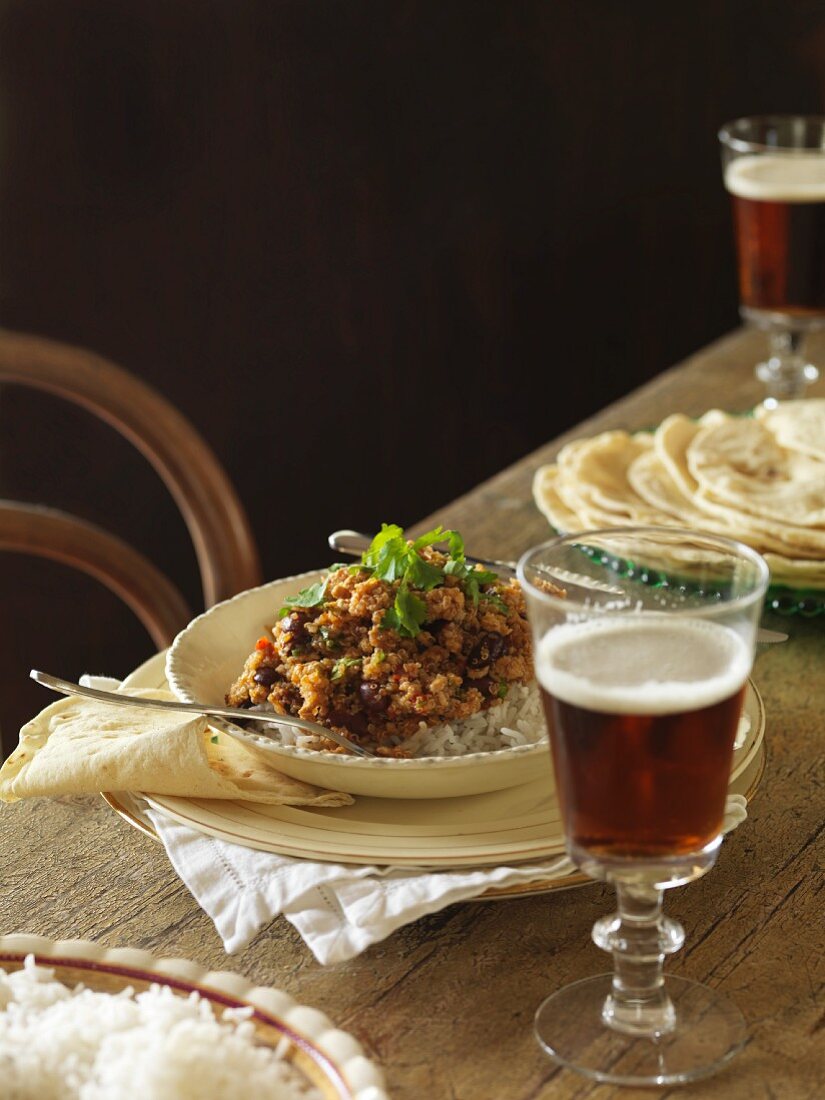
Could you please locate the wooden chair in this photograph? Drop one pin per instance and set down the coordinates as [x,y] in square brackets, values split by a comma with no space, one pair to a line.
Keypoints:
[49,533]
[216,521]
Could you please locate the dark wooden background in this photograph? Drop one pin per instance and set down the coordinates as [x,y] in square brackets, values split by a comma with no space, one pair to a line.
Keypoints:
[375,250]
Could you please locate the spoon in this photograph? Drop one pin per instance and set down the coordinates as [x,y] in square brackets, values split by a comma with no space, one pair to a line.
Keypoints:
[66,687]
[355,543]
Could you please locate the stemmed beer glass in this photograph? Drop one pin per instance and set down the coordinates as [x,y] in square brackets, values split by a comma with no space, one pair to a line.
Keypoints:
[643,644]
[774,171]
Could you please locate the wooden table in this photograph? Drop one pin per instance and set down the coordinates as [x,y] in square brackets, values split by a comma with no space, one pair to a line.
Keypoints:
[446,1004]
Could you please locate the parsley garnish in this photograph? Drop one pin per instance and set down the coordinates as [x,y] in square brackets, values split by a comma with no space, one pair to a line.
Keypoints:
[471,579]
[391,557]
[312,596]
[407,614]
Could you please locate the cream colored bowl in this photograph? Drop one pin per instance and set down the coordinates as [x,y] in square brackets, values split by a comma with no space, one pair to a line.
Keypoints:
[208,655]
[331,1059]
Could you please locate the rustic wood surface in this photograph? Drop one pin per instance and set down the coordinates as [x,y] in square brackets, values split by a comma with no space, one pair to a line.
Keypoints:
[446,1004]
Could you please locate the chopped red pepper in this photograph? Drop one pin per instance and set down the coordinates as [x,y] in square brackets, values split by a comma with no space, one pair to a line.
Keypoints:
[264,645]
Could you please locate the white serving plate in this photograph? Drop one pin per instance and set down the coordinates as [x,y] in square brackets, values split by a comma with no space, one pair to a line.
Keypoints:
[331,1059]
[209,653]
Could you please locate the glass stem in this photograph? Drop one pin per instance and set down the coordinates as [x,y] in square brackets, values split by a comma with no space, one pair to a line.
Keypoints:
[785,373]
[638,936]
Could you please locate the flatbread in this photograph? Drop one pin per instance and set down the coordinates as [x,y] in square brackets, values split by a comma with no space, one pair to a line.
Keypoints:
[797,425]
[783,538]
[545,493]
[650,479]
[595,471]
[740,463]
[76,746]
[621,479]
[671,441]
[796,571]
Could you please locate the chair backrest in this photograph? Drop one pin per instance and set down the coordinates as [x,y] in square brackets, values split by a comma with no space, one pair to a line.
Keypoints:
[50,533]
[218,526]
[216,521]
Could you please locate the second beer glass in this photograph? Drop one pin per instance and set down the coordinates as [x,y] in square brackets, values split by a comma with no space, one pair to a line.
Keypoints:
[774,171]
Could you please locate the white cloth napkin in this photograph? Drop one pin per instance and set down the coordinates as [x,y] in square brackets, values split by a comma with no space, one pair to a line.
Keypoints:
[338,909]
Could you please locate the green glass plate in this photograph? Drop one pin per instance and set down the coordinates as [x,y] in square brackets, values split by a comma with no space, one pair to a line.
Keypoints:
[780,599]
[795,601]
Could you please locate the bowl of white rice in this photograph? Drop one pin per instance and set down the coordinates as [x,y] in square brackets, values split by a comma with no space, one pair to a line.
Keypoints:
[497,748]
[81,1021]
[502,746]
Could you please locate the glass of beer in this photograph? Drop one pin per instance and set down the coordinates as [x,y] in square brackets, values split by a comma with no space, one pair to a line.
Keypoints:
[643,644]
[774,171]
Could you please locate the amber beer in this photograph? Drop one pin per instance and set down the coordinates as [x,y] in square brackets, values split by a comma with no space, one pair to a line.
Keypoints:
[642,712]
[779,221]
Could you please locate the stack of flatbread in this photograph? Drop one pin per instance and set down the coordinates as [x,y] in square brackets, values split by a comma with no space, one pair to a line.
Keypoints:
[77,747]
[758,479]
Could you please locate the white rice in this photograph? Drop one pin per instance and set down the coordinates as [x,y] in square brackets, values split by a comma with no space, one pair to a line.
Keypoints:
[58,1043]
[516,720]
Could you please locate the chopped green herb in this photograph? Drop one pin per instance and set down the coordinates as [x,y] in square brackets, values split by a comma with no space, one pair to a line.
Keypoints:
[471,579]
[328,638]
[340,667]
[496,600]
[214,738]
[390,557]
[423,574]
[387,555]
[312,596]
[407,614]
[502,690]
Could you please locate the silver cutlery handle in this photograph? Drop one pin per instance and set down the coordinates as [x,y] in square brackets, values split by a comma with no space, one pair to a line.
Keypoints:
[66,687]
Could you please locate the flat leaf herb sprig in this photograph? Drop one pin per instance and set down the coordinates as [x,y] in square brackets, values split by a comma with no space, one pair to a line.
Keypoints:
[390,557]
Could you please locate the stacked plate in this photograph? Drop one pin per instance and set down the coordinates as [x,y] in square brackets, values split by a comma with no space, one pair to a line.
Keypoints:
[483,809]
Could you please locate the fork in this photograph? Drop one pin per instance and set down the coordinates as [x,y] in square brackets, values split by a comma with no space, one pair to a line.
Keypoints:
[66,687]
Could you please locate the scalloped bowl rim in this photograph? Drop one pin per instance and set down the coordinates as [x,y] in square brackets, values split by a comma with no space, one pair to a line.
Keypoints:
[309,1026]
[176,672]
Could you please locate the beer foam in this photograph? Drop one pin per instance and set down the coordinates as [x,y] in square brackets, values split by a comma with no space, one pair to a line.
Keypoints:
[642,664]
[795,177]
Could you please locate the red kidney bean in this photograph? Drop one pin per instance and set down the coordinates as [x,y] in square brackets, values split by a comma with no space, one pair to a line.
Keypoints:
[265,675]
[485,651]
[293,627]
[372,698]
[355,723]
[485,684]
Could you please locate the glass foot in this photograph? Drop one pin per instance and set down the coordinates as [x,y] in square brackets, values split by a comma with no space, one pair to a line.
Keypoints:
[786,374]
[709,1030]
